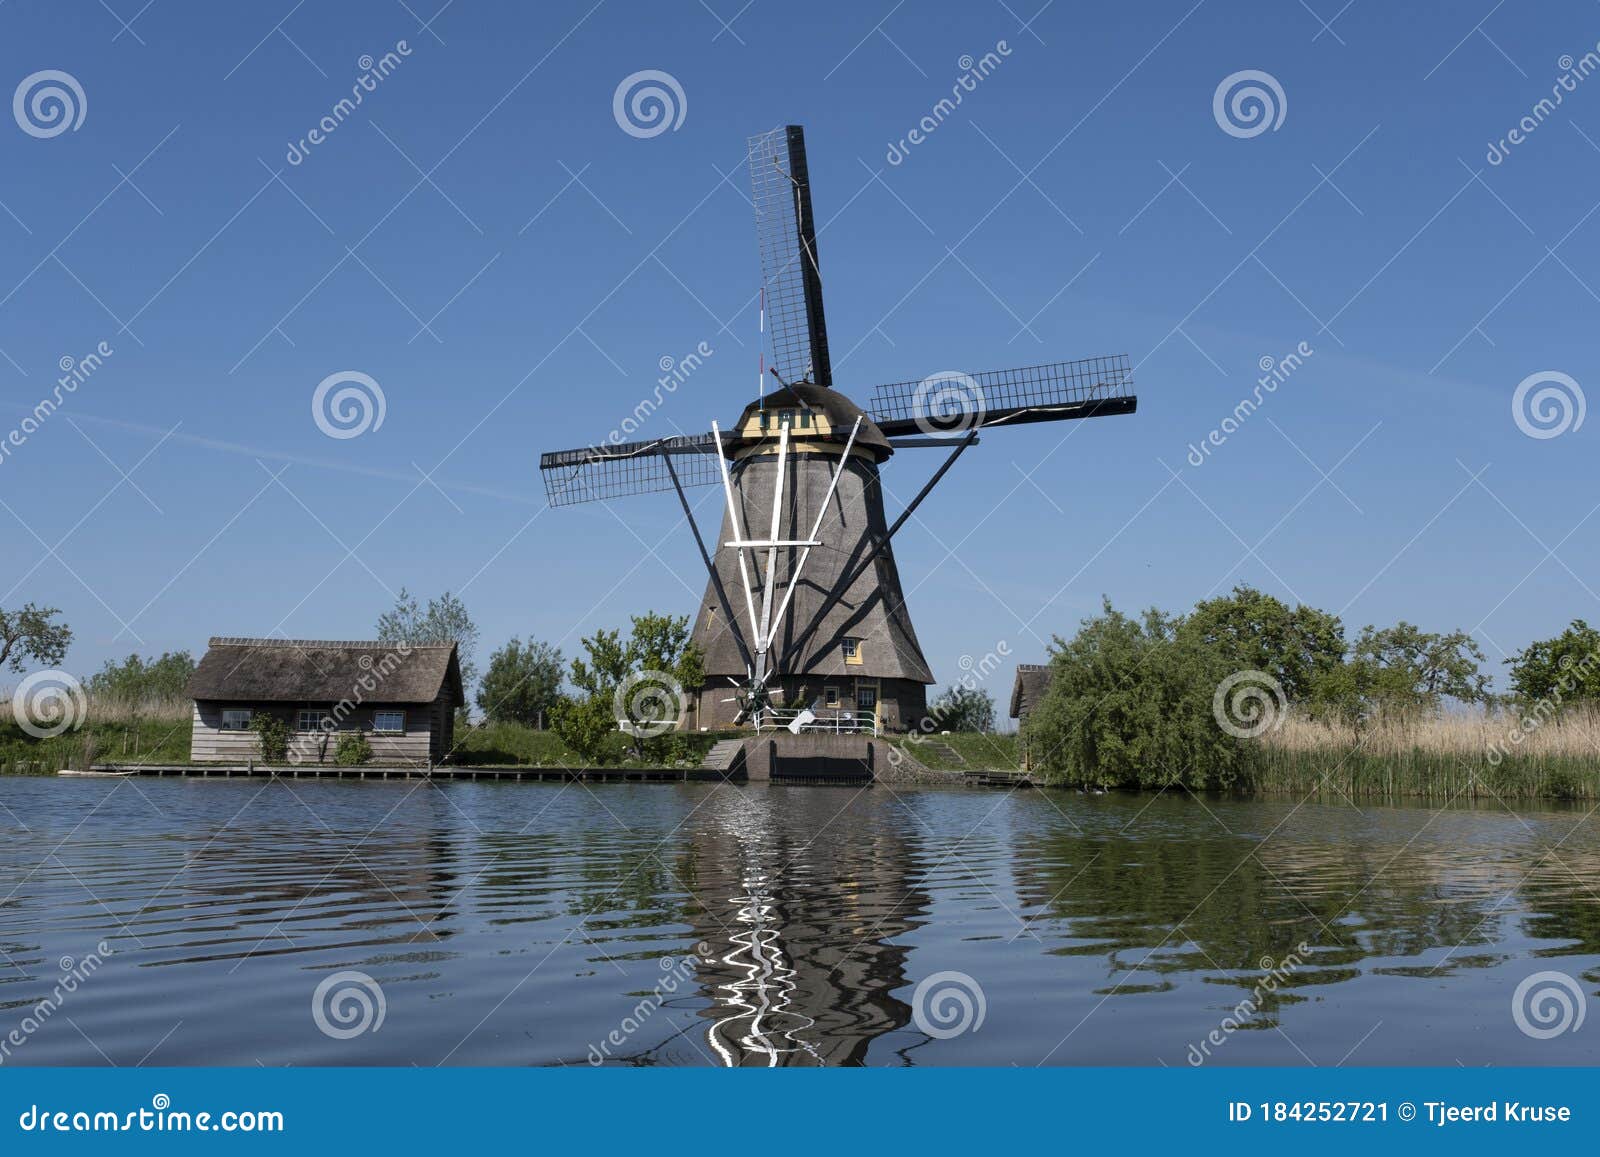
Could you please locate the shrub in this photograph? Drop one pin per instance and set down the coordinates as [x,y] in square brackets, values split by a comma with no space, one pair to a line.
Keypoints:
[273,735]
[352,749]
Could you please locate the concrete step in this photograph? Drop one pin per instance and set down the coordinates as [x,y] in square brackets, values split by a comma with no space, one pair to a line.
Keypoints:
[943,752]
[722,755]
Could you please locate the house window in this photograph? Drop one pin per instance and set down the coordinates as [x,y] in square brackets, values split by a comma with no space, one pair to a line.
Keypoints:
[393,722]
[852,651]
[830,697]
[310,719]
[236,719]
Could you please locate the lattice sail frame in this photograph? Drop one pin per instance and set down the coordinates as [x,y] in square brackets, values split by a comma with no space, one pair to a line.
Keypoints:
[594,473]
[780,187]
[1002,395]
[1089,387]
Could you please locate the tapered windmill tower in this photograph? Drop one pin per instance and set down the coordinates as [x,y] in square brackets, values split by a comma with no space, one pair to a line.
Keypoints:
[804,622]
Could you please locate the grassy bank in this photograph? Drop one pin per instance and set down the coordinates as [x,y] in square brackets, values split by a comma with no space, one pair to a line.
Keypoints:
[512,743]
[971,751]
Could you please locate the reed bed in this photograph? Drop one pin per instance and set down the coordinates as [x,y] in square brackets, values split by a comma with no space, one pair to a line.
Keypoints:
[1447,755]
[112,728]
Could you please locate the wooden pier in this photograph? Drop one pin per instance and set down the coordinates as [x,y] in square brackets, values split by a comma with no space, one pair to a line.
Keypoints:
[997,777]
[446,773]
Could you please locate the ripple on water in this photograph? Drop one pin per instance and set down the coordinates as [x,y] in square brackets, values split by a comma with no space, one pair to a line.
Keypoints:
[697,924]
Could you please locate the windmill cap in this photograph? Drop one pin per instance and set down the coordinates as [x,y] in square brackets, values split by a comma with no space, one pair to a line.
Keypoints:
[832,407]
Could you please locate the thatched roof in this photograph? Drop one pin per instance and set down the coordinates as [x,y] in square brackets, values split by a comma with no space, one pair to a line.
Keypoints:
[324,671]
[1032,681]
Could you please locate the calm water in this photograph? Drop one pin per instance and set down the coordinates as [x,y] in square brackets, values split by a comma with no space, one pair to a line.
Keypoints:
[538,924]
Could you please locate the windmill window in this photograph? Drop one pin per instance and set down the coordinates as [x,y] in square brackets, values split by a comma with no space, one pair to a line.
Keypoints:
[795,421]
[830,697]
[391,722]
[852,650]
[236,719]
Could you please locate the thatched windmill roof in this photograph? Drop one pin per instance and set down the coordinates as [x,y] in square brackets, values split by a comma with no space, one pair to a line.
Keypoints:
[324,671]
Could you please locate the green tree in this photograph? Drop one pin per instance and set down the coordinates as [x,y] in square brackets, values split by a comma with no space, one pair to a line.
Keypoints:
[1130,704]
[443,620]
[1406,667]
[1563,669]
[522,683]
[585,720]
[963,709]
[31,633]
[630,684]
[661,643]
[1298,646]
[136,681]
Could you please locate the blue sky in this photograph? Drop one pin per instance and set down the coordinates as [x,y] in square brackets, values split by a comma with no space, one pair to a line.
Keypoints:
[1084,199]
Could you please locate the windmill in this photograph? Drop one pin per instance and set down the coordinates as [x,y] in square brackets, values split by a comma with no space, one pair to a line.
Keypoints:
[803,600]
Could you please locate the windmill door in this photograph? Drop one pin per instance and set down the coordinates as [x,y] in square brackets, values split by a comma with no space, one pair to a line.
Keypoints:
[867,705]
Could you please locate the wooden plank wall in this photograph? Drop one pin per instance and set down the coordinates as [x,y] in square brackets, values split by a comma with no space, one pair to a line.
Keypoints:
[419,744]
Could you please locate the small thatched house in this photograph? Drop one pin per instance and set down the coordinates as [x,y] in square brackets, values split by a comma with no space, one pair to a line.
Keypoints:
[402,696]
[1030,686]
[1033,680]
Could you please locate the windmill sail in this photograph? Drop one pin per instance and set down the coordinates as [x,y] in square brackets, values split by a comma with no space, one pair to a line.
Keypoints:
[937,405]
[617,469]
[786,235]
[1059,391]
